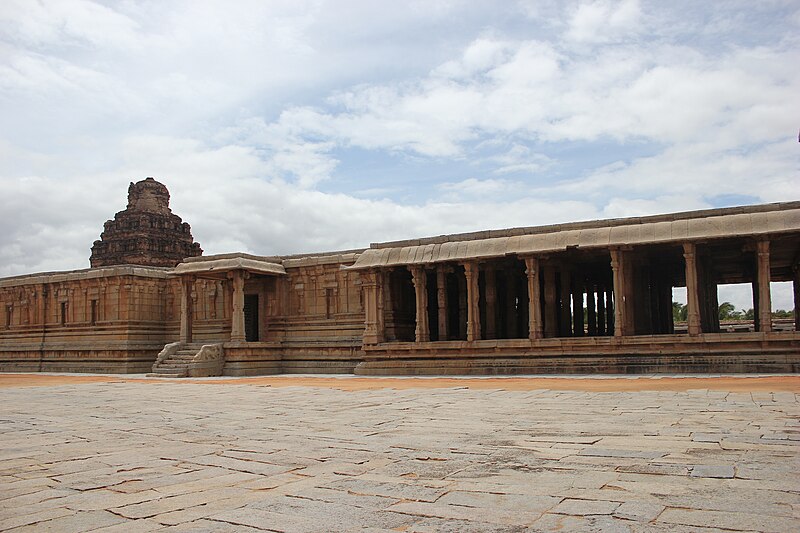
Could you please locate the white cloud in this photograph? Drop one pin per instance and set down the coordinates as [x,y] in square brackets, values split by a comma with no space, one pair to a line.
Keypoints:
[602,21]
[459,116]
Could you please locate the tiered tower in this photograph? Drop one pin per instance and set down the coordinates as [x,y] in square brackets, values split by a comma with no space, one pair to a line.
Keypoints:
[146,232]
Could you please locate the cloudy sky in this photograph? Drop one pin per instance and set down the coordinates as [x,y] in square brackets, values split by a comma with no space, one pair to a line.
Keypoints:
[289,127]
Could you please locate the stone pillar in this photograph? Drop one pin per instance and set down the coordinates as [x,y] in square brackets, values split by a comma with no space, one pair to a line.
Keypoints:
[512,320]
[692,289]
[796,287]
[566,303]
[491,301]
[441,299]
[462,307]
[237,315]
[420,278]
[186,309]
[372,281]
[591,314]
[535,329]
[550,307]
[601,310]
[577,307]
[473,310]
[764,298]
[620,308]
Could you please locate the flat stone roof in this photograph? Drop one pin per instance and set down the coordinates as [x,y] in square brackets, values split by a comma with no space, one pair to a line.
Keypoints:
[225,263]
[710,224]
[86,273]
[590,224]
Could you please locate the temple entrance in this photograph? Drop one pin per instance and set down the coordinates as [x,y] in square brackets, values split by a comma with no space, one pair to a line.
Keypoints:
[251,317]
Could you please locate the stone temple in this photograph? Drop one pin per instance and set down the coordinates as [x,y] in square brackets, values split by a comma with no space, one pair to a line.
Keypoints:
[146,232]
[573,298]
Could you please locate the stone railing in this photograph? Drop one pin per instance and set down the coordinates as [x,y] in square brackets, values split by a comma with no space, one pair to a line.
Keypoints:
[208,361]
[168,350]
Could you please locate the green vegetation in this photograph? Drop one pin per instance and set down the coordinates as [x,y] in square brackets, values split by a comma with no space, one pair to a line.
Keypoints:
[727,312]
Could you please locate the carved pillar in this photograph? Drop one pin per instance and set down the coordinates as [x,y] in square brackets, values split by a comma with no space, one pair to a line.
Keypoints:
[462,307]
[692,289]
[473,310]
[601,310]
[490,274]
[535,326]
[566,303]
[591,315]
[237,318]
[764,298]
[187,283]
[550,307]
[512,292]
[620,314]
[796,287]
[372,282]
[420,279]
[441,299]
[577,306]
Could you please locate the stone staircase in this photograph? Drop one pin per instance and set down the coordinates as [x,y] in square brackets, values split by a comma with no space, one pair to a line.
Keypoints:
[180,360]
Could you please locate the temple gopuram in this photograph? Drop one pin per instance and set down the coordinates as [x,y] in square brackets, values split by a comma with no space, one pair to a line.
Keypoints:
[146,232]
[586,297]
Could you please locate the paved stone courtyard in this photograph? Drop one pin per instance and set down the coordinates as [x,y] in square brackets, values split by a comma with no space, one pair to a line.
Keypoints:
[133,456]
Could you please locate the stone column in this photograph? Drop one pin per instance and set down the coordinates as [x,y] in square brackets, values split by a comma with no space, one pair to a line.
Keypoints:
[237,315]
[441,299]
[473,310]
[692,289]
[591,314]
[577,307]
[601,310]
[764,298]
[512,320]
[373,331]
[462,307]
[620,314]
[566,303]
[550,307]
[796,287]
[491,301]
[186,309]
[611,304]
[535,329]
[420,278]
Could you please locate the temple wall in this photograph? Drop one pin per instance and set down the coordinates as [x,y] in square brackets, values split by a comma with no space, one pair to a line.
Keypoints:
[111,320]
[314,322]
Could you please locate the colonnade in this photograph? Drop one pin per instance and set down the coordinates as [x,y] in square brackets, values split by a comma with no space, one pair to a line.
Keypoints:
[627,293]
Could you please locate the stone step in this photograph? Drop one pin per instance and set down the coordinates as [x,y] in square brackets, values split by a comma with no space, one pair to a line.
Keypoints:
[171,369]
[166,375]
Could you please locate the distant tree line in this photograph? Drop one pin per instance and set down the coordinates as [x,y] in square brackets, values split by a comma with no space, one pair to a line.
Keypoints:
[727,311]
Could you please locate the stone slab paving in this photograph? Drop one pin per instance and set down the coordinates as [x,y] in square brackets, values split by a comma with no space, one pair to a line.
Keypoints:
[138,457]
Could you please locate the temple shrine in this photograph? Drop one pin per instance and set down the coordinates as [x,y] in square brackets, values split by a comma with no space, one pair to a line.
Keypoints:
[570,298]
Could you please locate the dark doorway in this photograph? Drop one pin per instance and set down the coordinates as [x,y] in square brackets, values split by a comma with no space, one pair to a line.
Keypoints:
[251,317]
